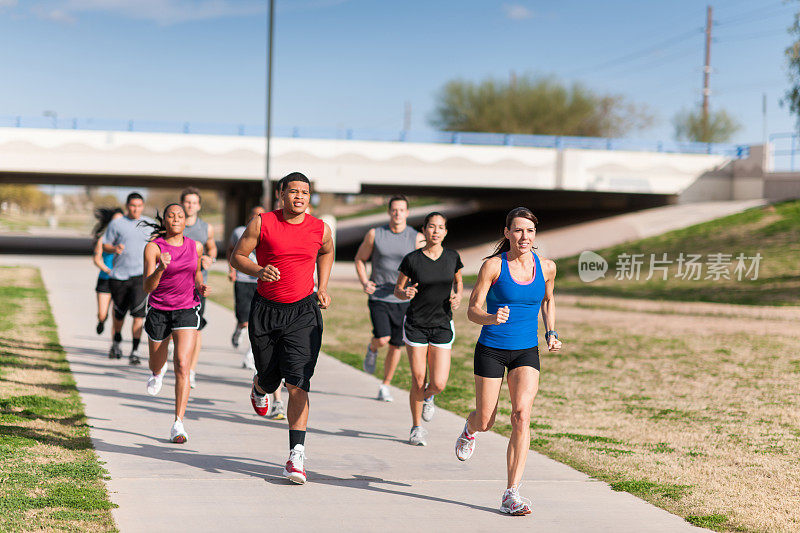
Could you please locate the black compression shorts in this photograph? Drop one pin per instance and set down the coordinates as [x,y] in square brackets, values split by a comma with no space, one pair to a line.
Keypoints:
[492,362]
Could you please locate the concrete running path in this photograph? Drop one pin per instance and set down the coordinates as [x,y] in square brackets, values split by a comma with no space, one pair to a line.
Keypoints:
[363,476]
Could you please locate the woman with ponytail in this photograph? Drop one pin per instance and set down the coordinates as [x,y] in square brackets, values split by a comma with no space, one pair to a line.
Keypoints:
[514,284]
[174,283]
[104,261]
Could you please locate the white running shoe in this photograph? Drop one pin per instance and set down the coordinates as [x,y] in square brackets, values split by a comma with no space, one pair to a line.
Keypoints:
[369,361]
[248,361]
[155,381]
[276,411]
[417,438]
[428,409]
[514,504]
[192,379]
[295,469]
[465,445]
[177,434]
[384,394]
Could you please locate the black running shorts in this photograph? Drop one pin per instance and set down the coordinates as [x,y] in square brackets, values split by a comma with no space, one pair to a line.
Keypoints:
[387,320]
[441,336]
[203,321]
[492,362]
[129,297]
[160,324]
[285,339]
[103,285]
[243,293]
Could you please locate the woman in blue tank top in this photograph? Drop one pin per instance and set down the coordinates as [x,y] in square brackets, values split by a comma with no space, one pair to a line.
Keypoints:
[514,284]
[104,262]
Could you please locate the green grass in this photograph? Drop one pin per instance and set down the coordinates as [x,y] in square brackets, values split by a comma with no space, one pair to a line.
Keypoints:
[772,231]
[50,478]
[644,488]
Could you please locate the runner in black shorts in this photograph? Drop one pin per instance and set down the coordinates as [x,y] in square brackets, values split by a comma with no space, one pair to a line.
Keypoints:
[104,261]
[126,237]
[285,323]
[175,284]
[515,285]
[431,278]
[385,246]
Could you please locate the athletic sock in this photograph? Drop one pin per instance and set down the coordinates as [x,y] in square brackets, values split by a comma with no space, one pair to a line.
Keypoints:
[296,436]
[135,342]
[466,431]
[117,338]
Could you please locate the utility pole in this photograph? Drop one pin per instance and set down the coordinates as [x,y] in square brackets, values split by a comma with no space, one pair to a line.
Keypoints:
[707,70]
[407,116]
[267,196]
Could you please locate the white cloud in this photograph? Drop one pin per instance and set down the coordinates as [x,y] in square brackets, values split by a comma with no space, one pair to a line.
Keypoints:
[517,12]
[163,12]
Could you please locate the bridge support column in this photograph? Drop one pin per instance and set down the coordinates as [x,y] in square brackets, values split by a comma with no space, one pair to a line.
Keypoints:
[240,198]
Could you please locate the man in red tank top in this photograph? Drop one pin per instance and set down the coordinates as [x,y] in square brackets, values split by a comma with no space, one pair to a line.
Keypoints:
[285,324]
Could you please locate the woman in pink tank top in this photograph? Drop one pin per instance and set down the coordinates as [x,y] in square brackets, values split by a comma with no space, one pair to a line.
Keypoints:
[173,281]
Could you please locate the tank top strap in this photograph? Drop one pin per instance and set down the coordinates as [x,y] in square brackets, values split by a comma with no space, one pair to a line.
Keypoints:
[504,271]
[537,266]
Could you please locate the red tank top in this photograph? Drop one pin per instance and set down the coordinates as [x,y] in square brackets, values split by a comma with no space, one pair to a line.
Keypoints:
[292,249]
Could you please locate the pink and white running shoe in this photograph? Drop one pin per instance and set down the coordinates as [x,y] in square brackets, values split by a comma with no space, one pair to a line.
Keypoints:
[465,445]
[514,504]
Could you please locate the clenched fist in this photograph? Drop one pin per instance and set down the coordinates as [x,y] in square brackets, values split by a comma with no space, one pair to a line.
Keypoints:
[501,316]
[411,291]
[166,259]
[269,273]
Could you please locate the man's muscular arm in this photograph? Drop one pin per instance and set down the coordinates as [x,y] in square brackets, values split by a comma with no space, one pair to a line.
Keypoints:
[240,259]
[324,264]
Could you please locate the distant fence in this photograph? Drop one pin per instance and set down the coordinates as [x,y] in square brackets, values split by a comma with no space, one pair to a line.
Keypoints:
[444,137]
[784,152]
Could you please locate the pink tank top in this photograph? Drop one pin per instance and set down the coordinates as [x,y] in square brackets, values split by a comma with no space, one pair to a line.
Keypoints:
[176,288]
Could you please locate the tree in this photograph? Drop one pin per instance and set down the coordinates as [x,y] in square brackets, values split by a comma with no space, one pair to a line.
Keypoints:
[792,96]
[534,105]
[690,126]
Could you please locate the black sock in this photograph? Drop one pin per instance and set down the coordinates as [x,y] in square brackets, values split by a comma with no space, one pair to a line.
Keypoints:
[135,342]
[117,337]
[296,436]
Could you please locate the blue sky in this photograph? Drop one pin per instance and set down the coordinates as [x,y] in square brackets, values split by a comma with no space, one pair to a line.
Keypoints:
[353,63]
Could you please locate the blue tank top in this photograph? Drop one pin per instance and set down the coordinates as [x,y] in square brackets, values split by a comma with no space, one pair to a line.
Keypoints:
[108,259]
[523,301]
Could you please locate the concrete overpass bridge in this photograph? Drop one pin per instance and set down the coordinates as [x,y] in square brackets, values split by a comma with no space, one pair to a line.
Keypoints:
[564,174]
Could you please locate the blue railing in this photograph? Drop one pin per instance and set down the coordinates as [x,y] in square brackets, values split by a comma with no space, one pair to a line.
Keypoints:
[785,151]
[447,137]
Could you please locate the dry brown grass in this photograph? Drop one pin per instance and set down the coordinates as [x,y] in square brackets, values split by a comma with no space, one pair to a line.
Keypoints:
[693,407]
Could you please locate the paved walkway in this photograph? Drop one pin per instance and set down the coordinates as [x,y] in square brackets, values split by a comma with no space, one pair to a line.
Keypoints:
[362,474]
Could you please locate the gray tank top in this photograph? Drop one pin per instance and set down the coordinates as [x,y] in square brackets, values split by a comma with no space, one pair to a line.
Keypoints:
[388,251]
[199,232]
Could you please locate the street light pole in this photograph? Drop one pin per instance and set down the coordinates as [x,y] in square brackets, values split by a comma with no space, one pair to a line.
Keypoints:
[267,197]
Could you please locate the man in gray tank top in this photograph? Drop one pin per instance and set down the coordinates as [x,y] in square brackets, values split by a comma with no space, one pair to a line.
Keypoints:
[386,246]
[198,230]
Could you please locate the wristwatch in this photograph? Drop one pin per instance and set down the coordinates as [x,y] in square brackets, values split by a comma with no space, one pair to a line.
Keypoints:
[551,332]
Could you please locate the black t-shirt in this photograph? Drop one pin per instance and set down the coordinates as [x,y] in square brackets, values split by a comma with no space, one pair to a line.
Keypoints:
[431,306]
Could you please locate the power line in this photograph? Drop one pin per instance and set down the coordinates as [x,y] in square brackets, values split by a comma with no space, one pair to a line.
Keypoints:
[639,53]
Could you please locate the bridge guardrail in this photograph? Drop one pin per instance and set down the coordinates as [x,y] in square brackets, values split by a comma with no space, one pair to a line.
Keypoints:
[440,137]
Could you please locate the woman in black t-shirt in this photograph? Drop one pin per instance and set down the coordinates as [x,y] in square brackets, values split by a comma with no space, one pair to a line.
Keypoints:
[431,278]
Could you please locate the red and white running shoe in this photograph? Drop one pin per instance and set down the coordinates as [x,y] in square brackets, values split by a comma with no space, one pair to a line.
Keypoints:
[514,504]
[260,403]
[295,469]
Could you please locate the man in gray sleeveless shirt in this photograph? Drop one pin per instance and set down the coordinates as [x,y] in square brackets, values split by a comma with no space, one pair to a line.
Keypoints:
[198,230]
[386,246]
